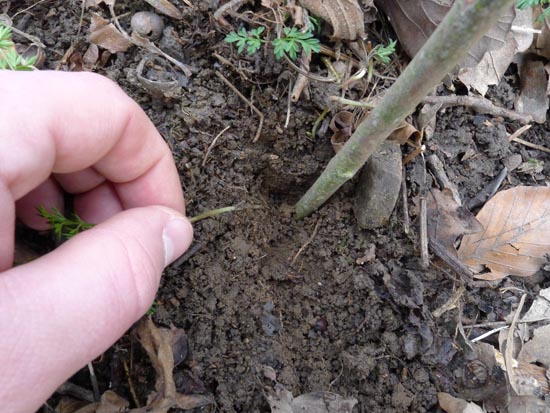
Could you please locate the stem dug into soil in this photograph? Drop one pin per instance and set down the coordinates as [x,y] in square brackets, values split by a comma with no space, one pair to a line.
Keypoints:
[462,28]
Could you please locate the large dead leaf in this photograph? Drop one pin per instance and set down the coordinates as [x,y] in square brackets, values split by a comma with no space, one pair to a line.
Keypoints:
[491,68]
[345,16]
[515,238]
[415,20]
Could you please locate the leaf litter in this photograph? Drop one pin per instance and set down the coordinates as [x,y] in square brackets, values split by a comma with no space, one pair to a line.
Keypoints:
[515,239]
[166,348]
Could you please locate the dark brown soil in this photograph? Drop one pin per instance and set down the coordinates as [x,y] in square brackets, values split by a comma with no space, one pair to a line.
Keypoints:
[323,322]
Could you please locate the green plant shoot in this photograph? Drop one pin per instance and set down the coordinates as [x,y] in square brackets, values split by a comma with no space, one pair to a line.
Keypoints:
[382,53]
[9,58]
[63,227]
[292,42]
[523,4]
[251,41]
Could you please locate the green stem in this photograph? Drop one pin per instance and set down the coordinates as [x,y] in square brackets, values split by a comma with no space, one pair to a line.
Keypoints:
[212,213]
[462,28]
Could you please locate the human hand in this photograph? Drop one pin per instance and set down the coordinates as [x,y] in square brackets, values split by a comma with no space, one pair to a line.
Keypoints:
[79,133]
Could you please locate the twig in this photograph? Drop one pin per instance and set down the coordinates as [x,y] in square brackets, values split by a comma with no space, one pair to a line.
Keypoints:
[519,132]
[75,390]
[130,383]
[227,6]
[509,352]
[309,241]
[488,333]
[450,304]
[288,103]
[406,218]
[424,254]
[29,8]
[212,213]
[301,80]
[480,105]
[248,102]
[93,379]
[6,21]
[531,145]
[350,102]
[328,79]
[213,143]
[193,249]
[451,260]
[437,168]
[318,121]
[148,45]
[489,191]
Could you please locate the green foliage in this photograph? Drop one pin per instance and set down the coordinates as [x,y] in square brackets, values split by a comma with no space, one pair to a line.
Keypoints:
[291,43]
[382,53]
[9,58]
[251,40]
[523,4]
[62,226]
[294,40]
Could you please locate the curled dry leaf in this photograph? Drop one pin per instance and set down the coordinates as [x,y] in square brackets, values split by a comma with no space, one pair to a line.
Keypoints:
[345,17]
[515,237]
[167,8]
[106,35]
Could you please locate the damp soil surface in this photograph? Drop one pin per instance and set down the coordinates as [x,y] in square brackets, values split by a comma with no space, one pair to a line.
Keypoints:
[327,305]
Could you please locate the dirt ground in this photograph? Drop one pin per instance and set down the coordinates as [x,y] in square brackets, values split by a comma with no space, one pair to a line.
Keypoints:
[249,295]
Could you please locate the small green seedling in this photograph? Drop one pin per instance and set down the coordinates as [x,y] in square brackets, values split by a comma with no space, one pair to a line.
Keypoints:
[291,43]
[382,53]
[523,4]
[251,40]
[9,58]
[63,227]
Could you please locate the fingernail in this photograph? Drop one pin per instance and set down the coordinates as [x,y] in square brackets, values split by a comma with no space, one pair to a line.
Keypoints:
[177,236]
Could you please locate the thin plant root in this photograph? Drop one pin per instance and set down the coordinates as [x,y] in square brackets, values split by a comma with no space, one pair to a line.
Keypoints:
[248,102]
[213,144]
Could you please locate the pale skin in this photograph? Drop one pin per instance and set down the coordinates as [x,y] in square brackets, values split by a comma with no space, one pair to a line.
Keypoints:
[80,134]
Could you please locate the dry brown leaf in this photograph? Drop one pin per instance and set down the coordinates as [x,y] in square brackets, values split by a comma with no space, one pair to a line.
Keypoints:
[167,8]
[404,132]
[106,35]
[160,343]
[453,405]
[515,237]
[447,220]
[532,99]
[345,16]
[342,126]
[415,20]
[491,68]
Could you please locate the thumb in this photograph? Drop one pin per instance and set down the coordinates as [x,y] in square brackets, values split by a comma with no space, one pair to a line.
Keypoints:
[61,311]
